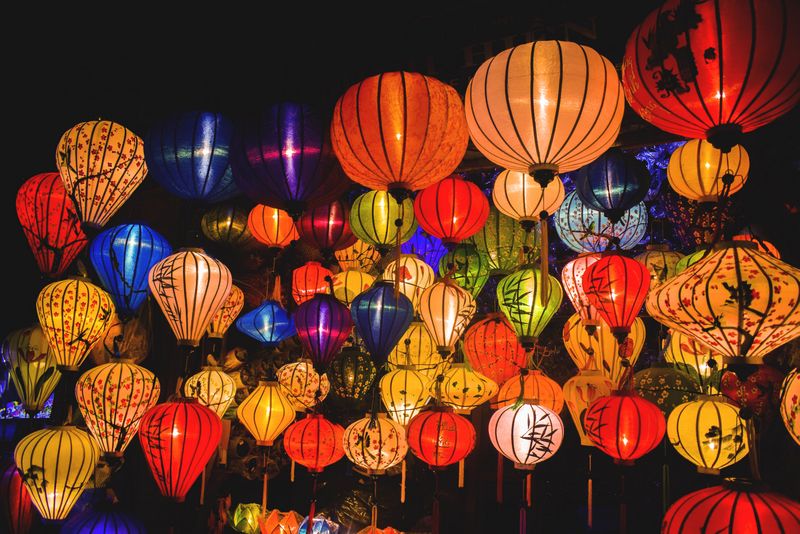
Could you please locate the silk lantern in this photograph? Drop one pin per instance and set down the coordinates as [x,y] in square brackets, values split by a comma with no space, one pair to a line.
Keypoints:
[347,285]
[323,325]
[440,437]
[501,239]
[271,226]
[269,324]
[327,227]
[580,391]
[738,301]
[113,398]
[624,425]
[518,195]
[446,310]
[417,349]
[699,171]
[528,306]
[533,386]
[314,442]
[491,348]
[762,244]
[452,209]
[790,404]
[415,276]
[526,434]
[56,465]
[245,518]
[74,314]
[463,388]
[302,385]
[101,164]
[374,216]
[695,359]
[227,314]
[429,248]
[360,256]
[660,261]
[404,393]
[310,279]
[226,224]
[352,374]
[665,386]
[103,518]
[283,158]
[690,259]
[122,256]
[399,131]
[713,71]
[586,230]
[178,439]
[467,267]
[50,223]
[32,365]
[381,318]
[16,510]
[375,443]
[572,280]
[266,412]
[612,184]
[212,387]
[189,156]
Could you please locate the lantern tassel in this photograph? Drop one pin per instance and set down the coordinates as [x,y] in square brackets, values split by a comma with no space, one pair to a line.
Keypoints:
[312,509]
[528,484]
[499,490]
[403,482]
[266,479]
[589,496]
[224,440]
[461,473]
[291,472]
[523,520]
[203,486]
[753,438]
[435,510]
[374,519]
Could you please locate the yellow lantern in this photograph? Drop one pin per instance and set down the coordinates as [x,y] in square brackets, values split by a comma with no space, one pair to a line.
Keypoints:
[415,276]
[360,256]
[32,367]
[56,465]
[375,443]
[404,392]
[74,314]
[693,358]
[518,195]
[700,172]
[464,388]
[227,225]
[446,310]
[112,398]
[581,391]
[227,314]
[660,261]
[790,404]
[349,284]
[708,432]
[212,387]
[417,349]
[373,218]
[603,346]
[533,386]
[302,385]
[266,412]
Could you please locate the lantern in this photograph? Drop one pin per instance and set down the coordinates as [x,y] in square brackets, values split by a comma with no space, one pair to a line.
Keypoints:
[113,398]
[381,318]
[736,506]
[375,443]
[50,223]
[760,391]
[122,256]
[429,248]
[415,276]
[352,374]
[581,391]
[327,227]
[271,226]
[572,280]
[624,425]
[452,209]
[761,244]
[467,267]
[613,183]
[323,325]
[585,230]
[101,164]
[266,412]
[440,437]
[446,310]
[697,224]
[227,225]
[347,285]
[283,159]
[417,349]
[708,432]
[399,130]
[374,216]
[617,287]
[277,522]
[501,239]
[302,385]
[526,434]
[245,518]
[463,388]
[103,518]
[695,359]
[665,386]
[74,314]
[190,287]
[492,349]
[269,324]
[56,464]
[212,387]
[360,256]
[532,386]
[737,301]
[189,155]
[713,70]
[310,279]
[699,171]
[178,439]
[314,442]
[690,259]
[227,314]
[660,261]
[32,366]
[518,195]
[16,512]
[544,107]
[404,392]
[319,525]
[528,306]
[790,404]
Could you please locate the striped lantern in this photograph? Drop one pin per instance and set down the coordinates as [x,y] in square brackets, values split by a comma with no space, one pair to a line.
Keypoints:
[268,324]
[212,387]
[226,224]
[323,325]
[440,437]
[415,276]
[374,215]
[533,386]
[572,280]
[699,171]
[347,285]
[417,349]
[16,509]
[526,434]
[314,442]
[227,314]
[518,195]
[660,261]
[310,279]
[585,230]
[446,310]
[32,366]
[381,317]
[452,209]
[327,227]
[429,248]
[501,240]
[266,412]
[302,385]
[404,392]
[271,226]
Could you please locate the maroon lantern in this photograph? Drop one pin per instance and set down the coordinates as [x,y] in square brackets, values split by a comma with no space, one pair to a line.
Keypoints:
[327,228]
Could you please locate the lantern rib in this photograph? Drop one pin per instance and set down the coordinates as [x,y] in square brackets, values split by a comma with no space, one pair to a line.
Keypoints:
[575,122]
[696,84]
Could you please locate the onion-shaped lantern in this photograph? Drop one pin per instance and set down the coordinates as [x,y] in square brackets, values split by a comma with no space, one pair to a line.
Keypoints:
[429,248]
[694,359]
[533,386]
[526,434]
[491,348]
[314,442]
[572,280]
[415,276]
[501,239]
[271,226]
[446,310]
[327,227]
[269,323]
[518,195]
[227,314]
[323,325]
[404,392]
[226,225]
[790,404]
[665,386]
[463,388]
[266,412]
[581,391]
[50,223]
[417,349]
[310,279]
[360,256]
[613,183]
[16,510]
[527,304]
[452,209]
[762,244]
[302,385]
[440,437]
[375,443]
[213,388]
[381,318]
[585,230]
[352,374]
[660,261]
[374,216]
[467,267]
[347,285]
[32,365]
[699,171]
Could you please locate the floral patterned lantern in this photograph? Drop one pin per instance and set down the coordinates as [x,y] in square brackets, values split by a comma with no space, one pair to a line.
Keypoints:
[302,385]
[375,443]
[415,276]
[572,280]
[790,404]
[227,314]
[585,230]
[352,374]
[491,348]
[32,366]
[404,392]
[665,386]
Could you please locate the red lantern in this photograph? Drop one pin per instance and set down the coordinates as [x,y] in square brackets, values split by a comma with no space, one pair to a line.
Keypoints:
[327,227]
[617,286]
[314,442]
[624,425]
[452,210]
[310,279]
[714,69]
[50,223]
[178,438]
[16,510]
[440,437]
[492,348]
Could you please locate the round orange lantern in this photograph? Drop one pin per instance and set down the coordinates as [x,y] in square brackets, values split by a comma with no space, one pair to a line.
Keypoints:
[314,442]
[452,209]
[310,279]
[440,437]
[271,226]
[533,386]
[491,347]
[699,171]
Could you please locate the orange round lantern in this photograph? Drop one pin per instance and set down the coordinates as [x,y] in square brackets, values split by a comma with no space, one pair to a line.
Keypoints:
[440,437]
[491,347]
[310,279]
[699,171]
[533,386]
[271,226]
[314,442]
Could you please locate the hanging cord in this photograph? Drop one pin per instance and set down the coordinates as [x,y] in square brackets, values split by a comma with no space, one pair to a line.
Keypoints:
[266,480]
[752,436]
[727,180]
[312,509]
[398,223]
[523,506]
[374,518]
[499,489]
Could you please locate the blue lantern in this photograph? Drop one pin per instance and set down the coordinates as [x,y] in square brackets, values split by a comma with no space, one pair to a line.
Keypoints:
[613,183]
[585,230]
[429,248]
[381,318]
[269,323]
[103,519]
[321,526]
[189,156]
[122,257]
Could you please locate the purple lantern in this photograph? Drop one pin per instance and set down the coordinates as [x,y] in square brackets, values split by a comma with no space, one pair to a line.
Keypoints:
[323,325]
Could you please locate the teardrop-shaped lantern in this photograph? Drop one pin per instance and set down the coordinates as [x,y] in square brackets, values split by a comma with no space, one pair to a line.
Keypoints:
[467,267]
[375,443]
[269,323]
[452,209]
[302,385]
[429,248]
[699,171]
[415,276]
[227,314]
[374,216]
[327,227]
[310,279]
[226,224]
[580,392]
[518,195]
[266,412]
[440,437]
[271,226]
[323,325]
[527,305]
[352,374]
[613,183]
[404,392]
[491,348]
[463,388]
[213,388]
[533,386]
[347,285]
[572,280]
[526,434]
[695,359]
[586,230]
[660,261]
[501,239]
[32,366]
[381,318]
[360,256]
[417,349]
[314,442]
[446,310]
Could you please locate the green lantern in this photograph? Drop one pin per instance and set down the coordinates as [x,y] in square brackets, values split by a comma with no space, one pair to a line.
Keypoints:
[245,518]
[471,267]
[373,219]
[501,240]
[351,374]
[527,307]
[666,386]
[689,260]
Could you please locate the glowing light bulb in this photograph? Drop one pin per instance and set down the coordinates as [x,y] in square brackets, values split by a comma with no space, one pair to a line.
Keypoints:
[625,440]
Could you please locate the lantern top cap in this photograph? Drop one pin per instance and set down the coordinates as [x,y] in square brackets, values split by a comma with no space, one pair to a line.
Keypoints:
[196,250]
[211,368]
[185,400]
[268,383]
[743,484]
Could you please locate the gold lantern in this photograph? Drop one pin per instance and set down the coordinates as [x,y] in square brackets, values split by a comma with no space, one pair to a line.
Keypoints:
[360,256]
[790,404]
[73,314]
[415,276]
[266,412]
[581,391]
[227,314]
[349,284]
[226,224]
[56,465]
[302,385]
[404,392]
[694,359]
[533,386]
[660,261]
[446,310]
[518,195]
[212,387]
[32,367]
[701,172]
[375,443]
[463,388]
